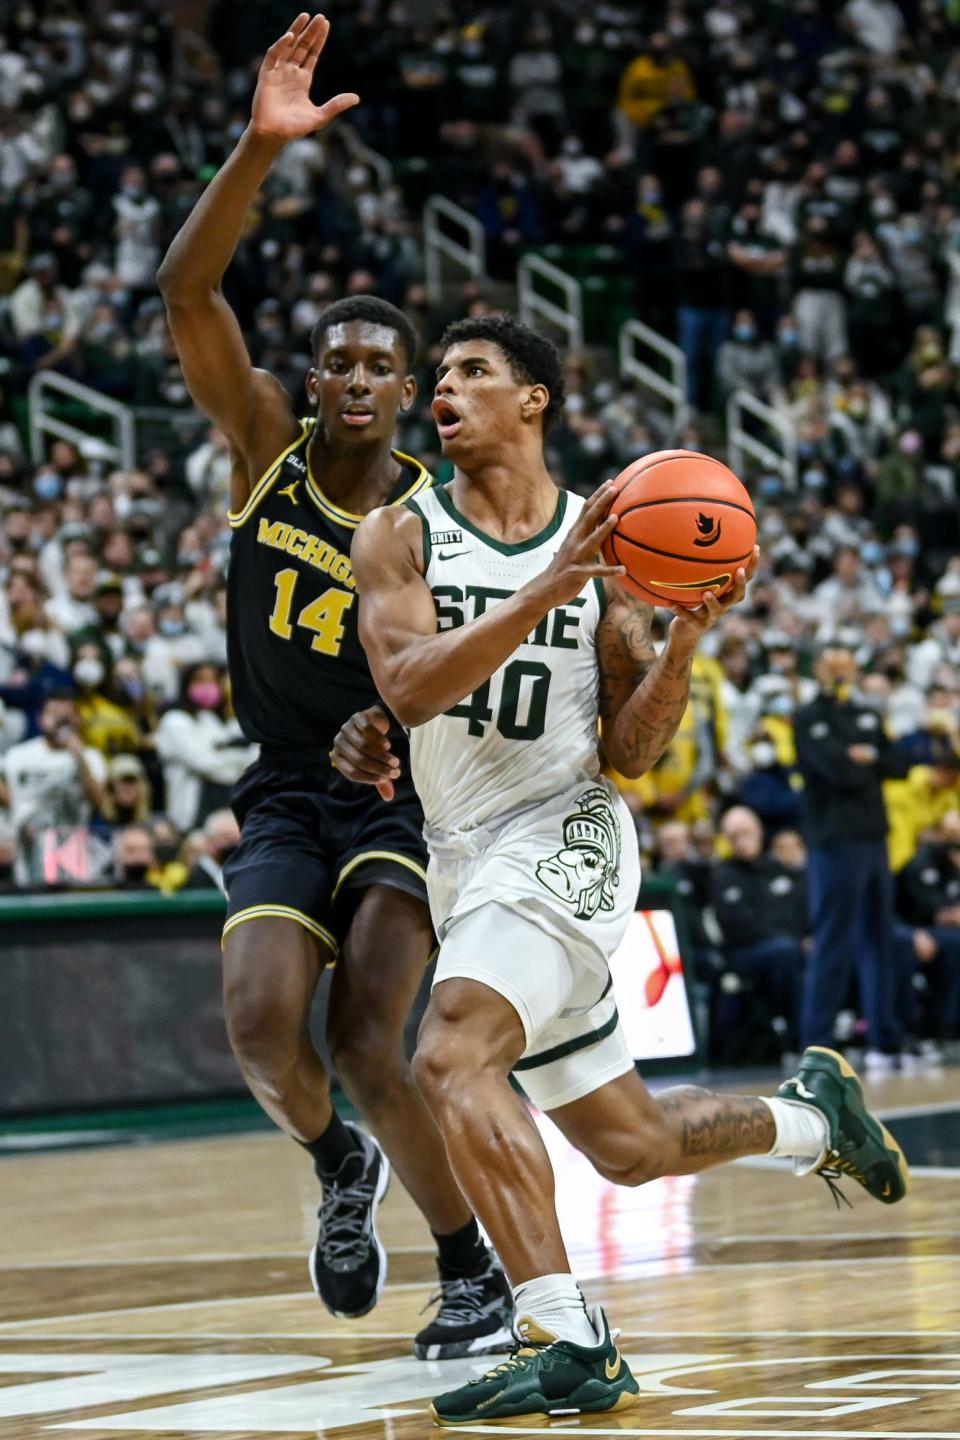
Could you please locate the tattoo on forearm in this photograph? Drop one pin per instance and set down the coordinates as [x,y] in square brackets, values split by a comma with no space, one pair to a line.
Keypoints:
[723,1126]
[643,695]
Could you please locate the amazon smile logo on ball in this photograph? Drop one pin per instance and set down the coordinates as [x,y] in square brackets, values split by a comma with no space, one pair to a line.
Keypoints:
[709,530]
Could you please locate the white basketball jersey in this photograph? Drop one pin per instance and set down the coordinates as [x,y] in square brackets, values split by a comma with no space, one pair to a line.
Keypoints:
[531,731]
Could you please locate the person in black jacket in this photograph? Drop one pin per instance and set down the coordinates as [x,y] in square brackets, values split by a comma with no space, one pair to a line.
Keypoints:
[844,755]
[929,903]
[761,908]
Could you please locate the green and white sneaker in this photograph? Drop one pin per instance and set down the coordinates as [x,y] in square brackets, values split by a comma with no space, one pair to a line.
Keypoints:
[859,1145]
[544,1377]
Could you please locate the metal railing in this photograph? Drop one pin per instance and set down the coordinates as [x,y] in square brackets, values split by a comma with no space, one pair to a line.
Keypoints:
[467,249]
[743,443]
[121,450]
[636,336]
[533,305]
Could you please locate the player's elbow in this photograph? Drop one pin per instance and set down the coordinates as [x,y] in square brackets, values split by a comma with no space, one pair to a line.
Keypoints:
[175,282]
[631,767]
[407,705]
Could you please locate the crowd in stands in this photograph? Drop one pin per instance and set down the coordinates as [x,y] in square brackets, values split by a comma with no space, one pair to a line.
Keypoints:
[778,184]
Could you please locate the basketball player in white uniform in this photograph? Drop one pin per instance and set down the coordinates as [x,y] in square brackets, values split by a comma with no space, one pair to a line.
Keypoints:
[495,634]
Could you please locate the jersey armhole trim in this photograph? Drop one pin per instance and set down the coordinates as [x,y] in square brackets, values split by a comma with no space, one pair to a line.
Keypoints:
[236,518]
[425,526]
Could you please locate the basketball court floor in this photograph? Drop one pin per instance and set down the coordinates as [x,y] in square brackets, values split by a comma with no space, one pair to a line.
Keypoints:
[160,1290]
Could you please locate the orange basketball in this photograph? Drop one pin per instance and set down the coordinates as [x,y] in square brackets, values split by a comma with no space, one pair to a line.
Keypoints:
[685,524]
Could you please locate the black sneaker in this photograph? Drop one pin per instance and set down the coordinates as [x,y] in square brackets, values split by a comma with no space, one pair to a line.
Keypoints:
[475,1317]
[348,1264]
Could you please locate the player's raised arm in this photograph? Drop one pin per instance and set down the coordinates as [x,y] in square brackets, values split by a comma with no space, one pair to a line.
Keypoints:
[251,407]
[421,672]
[642,694]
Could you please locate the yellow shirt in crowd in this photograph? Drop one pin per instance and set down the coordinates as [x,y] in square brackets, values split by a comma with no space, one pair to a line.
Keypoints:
[914,806]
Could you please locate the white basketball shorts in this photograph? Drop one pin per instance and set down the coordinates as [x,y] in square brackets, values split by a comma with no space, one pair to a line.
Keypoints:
[534,909]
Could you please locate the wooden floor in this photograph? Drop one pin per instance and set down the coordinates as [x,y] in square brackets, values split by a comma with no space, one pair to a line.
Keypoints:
[162,1291]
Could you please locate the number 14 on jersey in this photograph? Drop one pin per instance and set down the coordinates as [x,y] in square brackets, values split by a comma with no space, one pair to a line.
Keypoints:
[324,615]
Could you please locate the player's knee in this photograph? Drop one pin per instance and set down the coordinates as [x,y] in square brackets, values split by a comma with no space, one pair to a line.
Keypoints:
[264,1036]
[435,1066]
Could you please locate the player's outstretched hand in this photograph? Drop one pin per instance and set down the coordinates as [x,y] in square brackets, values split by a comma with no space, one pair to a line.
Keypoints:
[691,624]
[361,751]
[282,107]
[578,560]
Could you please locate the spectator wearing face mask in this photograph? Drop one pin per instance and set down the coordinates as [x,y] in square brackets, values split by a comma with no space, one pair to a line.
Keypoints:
[137,230]
[873,313]
[53,780]
[761,909]
[221,834]
[134,859]
[746,361]
[104,724]
[844,757]
[770,789]
[201,747]
[819,302]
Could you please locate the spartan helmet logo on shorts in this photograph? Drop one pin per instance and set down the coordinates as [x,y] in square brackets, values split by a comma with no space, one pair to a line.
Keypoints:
[585,872]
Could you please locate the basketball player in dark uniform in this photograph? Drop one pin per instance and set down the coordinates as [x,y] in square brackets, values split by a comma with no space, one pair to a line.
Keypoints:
[325,870]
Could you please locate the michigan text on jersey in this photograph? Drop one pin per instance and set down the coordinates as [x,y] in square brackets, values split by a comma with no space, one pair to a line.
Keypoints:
[303,546]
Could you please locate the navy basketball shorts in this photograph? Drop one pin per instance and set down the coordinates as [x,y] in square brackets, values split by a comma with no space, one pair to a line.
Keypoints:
[310,840]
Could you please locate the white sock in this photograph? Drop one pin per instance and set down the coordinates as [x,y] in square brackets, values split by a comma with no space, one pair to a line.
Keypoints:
[555,1303]
[802,1133]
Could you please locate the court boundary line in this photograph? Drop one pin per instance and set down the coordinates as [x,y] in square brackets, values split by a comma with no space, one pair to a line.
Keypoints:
[287,1295]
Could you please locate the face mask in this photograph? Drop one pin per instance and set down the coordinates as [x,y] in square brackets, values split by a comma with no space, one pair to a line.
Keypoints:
[910,548]
[135,873]
[171,628]
[205,694]
[134,689]
[872,552]
[805,448]
[857,409]
[779,705]
[814,479]
[883,208]
[650,197]
[764,754]
[48,486]
[789,337]
[133,192]
[744,332]
[88,672]
[165,853]
[593,444]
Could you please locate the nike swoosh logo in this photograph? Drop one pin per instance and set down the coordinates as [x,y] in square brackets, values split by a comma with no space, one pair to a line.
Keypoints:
[612,1371]
[451,554]
[887,1190]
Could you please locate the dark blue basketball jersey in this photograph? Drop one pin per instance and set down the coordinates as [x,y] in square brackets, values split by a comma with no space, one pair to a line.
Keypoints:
[297,667]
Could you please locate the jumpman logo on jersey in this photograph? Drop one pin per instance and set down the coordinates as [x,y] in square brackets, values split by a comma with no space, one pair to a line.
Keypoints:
[290,491]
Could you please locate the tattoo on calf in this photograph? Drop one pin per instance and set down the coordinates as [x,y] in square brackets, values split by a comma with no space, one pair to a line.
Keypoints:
[720,1125]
